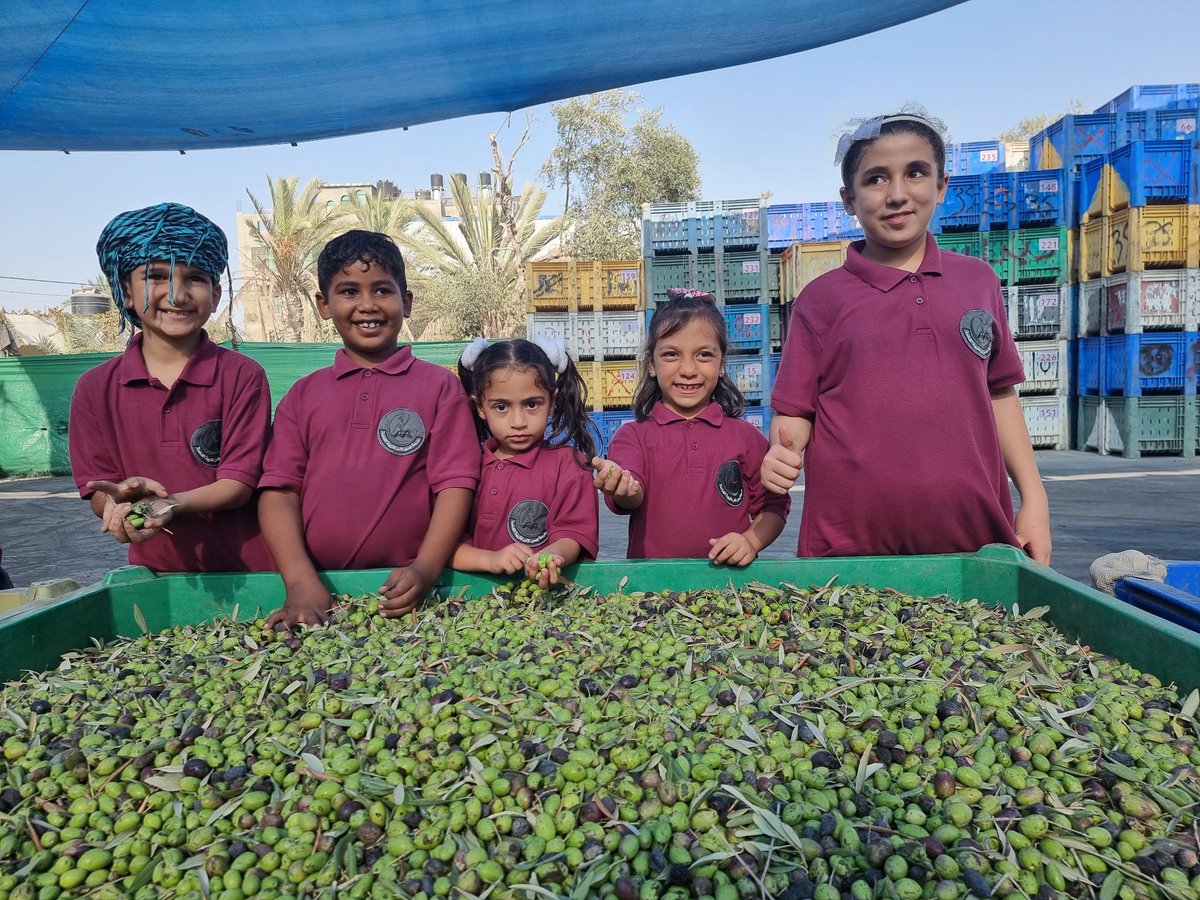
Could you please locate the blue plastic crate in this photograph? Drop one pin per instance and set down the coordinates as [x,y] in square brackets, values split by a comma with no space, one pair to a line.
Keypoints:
[1093,185]
[976,158]
[1176,598]
[1041,198]
[702,225]
[1152,96]
[759,416]
[1153,172]
[610,421]
[1072,140]
[1172,124]
[1156,362]
[1088,356]
[829,222]
[773,369]
[785,225]
[962,210]
[748,327]
[1000,203]
[749,373]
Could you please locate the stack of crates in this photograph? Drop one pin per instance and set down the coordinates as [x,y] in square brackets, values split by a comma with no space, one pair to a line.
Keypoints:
[1019,222]
[597,309]
[718,246]
[1138,327]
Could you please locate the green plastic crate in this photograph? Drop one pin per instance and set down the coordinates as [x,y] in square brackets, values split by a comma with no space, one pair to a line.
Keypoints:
[969,243]
[1151,425]
[995,575]
[1000,252]
[1041,255]
[666,272]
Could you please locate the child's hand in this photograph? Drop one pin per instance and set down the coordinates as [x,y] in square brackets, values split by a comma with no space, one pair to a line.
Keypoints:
[134,523]
[130,490]
[403,591]
[733,549]
[1033,531]
[509,560]
[543,568]
[306,605]
[782,464]
[612,479]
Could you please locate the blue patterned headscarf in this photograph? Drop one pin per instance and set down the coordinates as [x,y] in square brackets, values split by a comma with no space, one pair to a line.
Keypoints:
[168,231]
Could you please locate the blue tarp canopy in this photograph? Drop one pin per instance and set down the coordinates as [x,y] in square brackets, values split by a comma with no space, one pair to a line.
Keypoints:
[195,74]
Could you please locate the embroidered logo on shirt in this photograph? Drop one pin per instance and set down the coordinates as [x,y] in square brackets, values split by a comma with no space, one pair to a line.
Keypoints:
[527,522]
[401,432]
[730,485]
[206,443]
[978,331]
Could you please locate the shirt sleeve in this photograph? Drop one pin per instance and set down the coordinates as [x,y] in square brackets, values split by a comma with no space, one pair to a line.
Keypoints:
[762,500]
[91,441]
[286,459]
[1005,368]
[576,512]
[454,452]
[627,452]
[246,428]
[795,390]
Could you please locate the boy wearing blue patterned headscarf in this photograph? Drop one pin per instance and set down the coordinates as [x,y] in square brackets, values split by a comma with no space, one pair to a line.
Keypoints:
[174,425]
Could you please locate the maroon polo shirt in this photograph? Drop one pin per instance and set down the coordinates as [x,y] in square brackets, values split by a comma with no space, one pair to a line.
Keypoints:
[896,371]
[535,498]
[700,477]
[212,423]
[368,449]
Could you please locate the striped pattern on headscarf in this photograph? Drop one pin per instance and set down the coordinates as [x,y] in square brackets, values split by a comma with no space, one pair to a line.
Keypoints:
[168,231]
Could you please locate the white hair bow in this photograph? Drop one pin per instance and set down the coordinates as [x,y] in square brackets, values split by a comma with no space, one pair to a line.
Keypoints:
[869,130]
[471,352]
[556,350]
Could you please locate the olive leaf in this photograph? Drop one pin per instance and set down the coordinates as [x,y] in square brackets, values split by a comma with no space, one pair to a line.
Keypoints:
[140,620]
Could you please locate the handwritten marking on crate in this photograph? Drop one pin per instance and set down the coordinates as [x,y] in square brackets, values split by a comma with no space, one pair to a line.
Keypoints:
[548,284]
[751,268]
[1156,359]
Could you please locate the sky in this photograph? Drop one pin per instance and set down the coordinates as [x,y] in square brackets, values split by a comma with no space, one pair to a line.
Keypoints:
[769,126]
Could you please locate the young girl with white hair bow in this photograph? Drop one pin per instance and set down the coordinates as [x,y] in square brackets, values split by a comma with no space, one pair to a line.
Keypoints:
[536,509]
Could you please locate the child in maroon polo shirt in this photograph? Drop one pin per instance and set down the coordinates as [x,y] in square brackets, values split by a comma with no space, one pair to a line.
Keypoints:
[535,493]
[686,472]
[373,461]
[175,421]
[896,392]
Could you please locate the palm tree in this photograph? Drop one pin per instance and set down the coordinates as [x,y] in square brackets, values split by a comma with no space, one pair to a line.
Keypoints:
[291,229]
[379,212]
[487,245]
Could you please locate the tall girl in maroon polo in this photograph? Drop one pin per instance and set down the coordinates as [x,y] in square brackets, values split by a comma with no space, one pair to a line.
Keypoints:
[896,391]
[535,510]
[686,472]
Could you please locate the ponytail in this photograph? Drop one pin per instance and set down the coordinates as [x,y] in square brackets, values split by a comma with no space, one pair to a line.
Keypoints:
[570,422]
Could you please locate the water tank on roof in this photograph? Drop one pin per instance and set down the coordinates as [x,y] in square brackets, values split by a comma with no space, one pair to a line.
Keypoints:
[89,303]
[485,179]
[435,181]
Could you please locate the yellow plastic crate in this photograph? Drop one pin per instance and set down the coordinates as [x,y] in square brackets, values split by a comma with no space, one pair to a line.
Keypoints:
[613,284]
[1092,237]
[617,382]
[552,285]
[1152,237]
[801,263]
[1100,203]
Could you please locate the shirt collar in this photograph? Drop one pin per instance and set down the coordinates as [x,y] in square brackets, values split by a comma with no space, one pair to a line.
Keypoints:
[200,369]
[884,278]
[526,459]
[395,364]
[664,415]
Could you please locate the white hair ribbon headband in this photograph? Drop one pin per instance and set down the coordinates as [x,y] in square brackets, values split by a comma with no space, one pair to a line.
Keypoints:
[471,352]
[556,350]
[869,130]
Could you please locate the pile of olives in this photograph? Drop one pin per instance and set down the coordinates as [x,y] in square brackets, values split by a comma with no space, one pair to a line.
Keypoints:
[837,742]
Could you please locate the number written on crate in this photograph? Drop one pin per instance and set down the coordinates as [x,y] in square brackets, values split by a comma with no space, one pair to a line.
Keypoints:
[989,155]
[1160,233]
[751,268]
[1185,126]
[628,375]
[1046,361]
[1048,245]
[752,318]
[628,275]
[1048,187]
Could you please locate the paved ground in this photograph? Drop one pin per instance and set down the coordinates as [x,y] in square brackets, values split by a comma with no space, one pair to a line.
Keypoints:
[1098,504]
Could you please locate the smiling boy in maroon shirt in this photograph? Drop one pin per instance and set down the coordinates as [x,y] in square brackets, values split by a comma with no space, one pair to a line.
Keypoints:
[374,460]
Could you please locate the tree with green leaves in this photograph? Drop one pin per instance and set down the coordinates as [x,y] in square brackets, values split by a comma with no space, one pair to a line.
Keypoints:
[292,228]
[479,260]
[608,168]
[1028,127]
